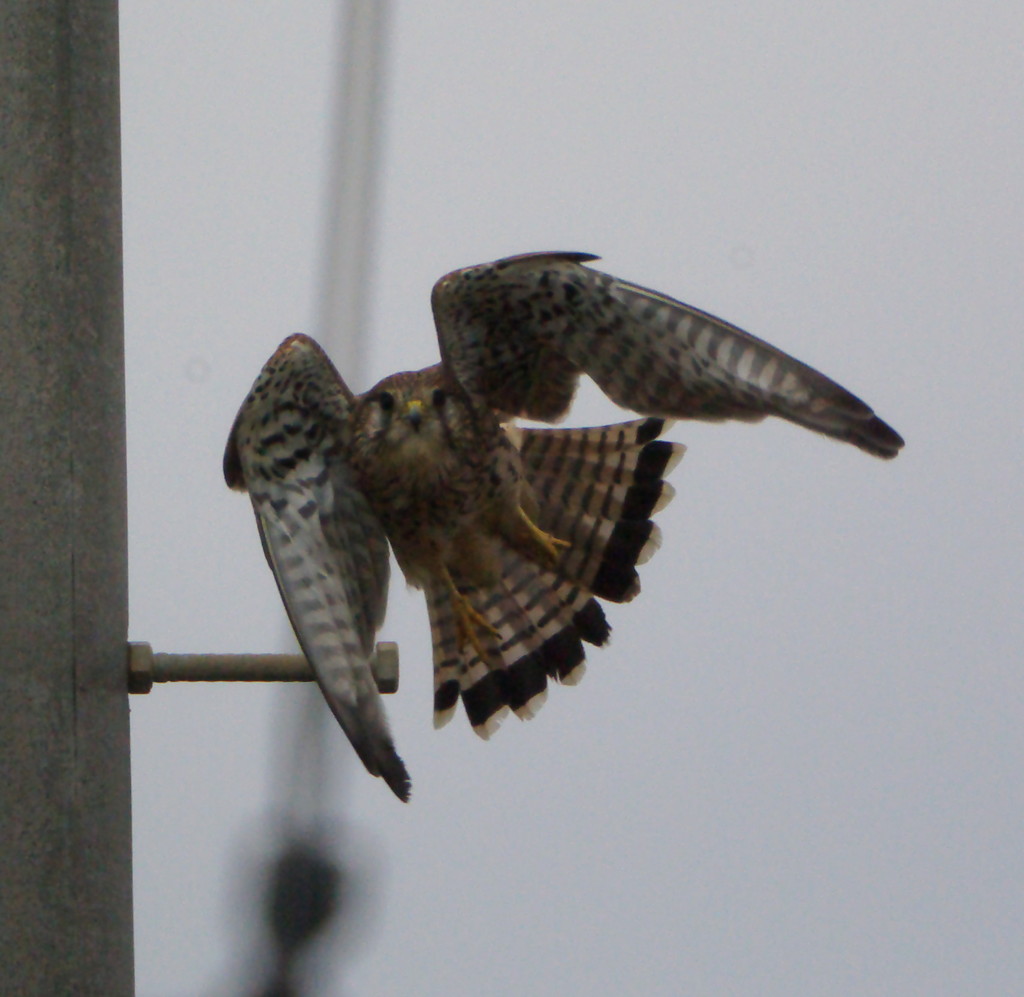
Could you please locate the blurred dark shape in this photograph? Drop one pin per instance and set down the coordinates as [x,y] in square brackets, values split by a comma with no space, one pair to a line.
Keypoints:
[305,893]
[279,988]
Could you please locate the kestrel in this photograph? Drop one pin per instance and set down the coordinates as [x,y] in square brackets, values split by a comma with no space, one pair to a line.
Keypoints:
[510,532]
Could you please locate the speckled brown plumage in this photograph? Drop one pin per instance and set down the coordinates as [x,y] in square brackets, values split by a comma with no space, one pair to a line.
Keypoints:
[512,533]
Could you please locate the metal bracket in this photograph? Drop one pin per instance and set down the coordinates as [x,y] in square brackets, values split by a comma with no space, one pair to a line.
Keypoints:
[145,667]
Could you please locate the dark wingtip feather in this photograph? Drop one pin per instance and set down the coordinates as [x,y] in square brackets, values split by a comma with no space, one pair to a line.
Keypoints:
[377,753]
[837,413]
[368,733]
[232,463]
[566,255]
[877,437]
[394,773]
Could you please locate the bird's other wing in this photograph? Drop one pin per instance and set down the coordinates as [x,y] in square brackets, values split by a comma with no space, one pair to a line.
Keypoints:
[518,332]
[328,553]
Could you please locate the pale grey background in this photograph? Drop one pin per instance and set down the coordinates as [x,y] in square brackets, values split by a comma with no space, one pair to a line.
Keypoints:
[797,769]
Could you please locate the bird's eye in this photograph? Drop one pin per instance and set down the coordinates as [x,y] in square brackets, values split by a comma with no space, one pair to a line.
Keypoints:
[386,401]
[438,397]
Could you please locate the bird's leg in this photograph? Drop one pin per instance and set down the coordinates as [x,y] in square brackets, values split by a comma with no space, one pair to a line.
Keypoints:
[468,622]
[544,547]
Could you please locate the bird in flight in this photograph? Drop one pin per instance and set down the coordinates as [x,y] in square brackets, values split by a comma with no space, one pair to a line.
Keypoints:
[512,533]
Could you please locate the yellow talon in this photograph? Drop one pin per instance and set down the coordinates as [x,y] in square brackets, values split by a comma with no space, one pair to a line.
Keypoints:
[549,545]
[468,624]
[468,621]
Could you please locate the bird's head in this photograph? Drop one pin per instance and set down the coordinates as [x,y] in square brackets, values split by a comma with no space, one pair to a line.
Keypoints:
[408,416]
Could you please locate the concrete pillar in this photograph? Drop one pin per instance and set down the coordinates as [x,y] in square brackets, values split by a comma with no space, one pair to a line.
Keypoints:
[65,804]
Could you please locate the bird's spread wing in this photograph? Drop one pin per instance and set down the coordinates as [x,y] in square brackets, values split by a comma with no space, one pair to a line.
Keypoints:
[518,332]
[328,553]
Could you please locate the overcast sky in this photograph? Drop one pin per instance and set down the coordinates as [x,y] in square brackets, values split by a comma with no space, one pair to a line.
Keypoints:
[797,768]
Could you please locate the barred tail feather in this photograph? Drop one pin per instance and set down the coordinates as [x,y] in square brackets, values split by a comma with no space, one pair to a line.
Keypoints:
[541,621]
[597,489]
[448,665]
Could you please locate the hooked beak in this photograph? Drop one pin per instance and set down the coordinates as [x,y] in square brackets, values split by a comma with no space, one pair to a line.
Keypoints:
[414,413]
